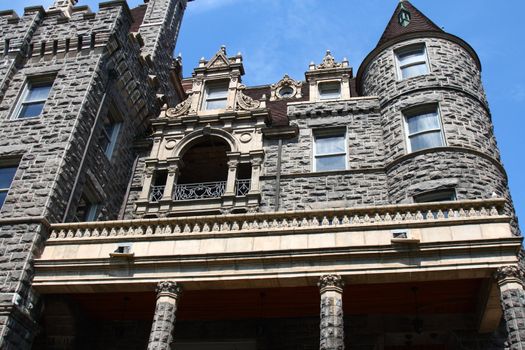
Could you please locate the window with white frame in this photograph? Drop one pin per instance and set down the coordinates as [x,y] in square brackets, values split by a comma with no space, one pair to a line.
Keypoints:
[411,61]
[33,98]
[436,196]
[7,173]
[423,128]
[109,133]
[216,95]
[330,90]
[329,150]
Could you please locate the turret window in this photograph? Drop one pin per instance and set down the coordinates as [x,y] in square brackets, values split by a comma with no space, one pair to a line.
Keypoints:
[216,95]
[423,127]
[411,62]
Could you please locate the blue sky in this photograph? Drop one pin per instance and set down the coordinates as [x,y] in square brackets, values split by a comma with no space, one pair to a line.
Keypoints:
[283,36]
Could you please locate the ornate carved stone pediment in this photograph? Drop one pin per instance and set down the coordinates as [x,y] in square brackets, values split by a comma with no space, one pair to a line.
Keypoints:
[286,88]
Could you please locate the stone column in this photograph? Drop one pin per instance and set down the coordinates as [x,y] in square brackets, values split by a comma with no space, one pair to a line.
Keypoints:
[332,333]
[256,174]
[146,185]
[168,295]
[233,162]
[173,175]
[510,282]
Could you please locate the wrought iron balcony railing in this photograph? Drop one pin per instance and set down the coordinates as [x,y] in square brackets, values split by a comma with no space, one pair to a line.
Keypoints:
[156,193]
[242,187]
[199,190]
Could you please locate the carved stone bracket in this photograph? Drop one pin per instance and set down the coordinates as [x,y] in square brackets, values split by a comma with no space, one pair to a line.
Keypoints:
[330,282]
[179,110]
[245,102]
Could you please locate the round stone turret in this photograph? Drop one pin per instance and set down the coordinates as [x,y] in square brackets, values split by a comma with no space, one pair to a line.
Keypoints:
[437,128]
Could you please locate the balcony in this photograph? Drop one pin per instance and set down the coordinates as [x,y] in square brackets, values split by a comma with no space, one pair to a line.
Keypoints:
[192,196]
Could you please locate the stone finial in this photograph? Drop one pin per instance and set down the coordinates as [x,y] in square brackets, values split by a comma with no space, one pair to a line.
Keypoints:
[168,288]
[65,6]
[330,282]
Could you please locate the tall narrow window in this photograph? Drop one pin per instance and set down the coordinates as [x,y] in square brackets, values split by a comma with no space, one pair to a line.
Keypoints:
[329,150]
[216,95]
[423,128]
[6,178]
[330,90]
[411,61]
[33,98]
[109,134]
[87,209]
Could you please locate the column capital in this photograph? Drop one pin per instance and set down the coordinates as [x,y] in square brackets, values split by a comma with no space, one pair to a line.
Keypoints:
[508,274]
[168,288]
[330,282]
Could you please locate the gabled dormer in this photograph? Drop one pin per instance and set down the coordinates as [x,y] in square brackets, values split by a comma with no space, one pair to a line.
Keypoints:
[207,151]
[329,80]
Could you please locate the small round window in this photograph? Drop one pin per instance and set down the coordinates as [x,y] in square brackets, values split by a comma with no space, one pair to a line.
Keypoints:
[286,92]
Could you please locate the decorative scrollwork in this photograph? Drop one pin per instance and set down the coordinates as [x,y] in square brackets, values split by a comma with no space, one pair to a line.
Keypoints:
[286,82]
[199,190]
[179,110]
[245,102]
[156,193]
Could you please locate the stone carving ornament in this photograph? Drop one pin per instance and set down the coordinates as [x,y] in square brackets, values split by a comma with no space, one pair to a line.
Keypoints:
[180,109]
[505,272]
[168,287]
[286,82]
[328,62]
[245,102]
[330,281]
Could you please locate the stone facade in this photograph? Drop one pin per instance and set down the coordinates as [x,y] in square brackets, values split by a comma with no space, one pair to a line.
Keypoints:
[293,196]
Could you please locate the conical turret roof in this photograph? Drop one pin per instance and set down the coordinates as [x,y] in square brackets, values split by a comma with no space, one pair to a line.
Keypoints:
[401,23]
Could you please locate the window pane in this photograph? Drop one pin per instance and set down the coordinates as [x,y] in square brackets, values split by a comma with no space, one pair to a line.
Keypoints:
[412,56]
[437,196]
[427,140]
[414,71]
[331,163]
[217,104]
[329,90]
[38,92]
[31,110]
[6,176]
[217,91]
[330,144]
[3,194]
[422,122]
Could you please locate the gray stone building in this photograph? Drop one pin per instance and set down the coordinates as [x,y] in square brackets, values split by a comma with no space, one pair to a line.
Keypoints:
[140,209]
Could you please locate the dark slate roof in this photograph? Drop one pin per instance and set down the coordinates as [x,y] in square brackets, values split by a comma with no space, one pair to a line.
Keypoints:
[418,23]
[137,14]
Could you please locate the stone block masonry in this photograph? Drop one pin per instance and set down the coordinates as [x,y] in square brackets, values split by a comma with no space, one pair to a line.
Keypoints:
[95,66]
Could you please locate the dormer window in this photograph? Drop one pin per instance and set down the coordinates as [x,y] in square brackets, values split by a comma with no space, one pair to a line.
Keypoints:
[216,95]
[330,90]
[286,92]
